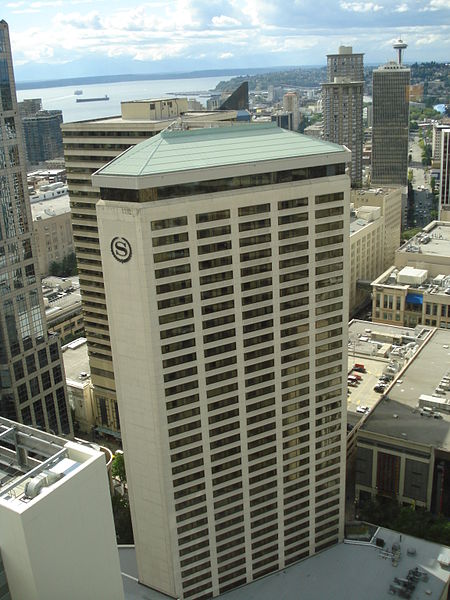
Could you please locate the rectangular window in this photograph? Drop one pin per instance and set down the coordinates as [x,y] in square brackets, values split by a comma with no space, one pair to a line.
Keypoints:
[168,223]
[295,203]
[213,216]
[253,210]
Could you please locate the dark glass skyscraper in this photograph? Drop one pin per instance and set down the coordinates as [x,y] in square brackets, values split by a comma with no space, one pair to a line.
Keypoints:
[32,382]
[43,136]
[390,124]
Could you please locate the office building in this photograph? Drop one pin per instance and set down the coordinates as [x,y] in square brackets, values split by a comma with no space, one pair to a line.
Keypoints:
[436,143]
[342,104]
[429,249]
[57,537]
[414,291]
[291,104]
[225,259]
[366,253]
[88,145]
[79,385]
[390,91]
[403,445]
[32,387]
[282,119]
[52,231]
[42,135]
[63,311]
[410,297]
[375,226]
[29,107]
[389,200]
[444,181]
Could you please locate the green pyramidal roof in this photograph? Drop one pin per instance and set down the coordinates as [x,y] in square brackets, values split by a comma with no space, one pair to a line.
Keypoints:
[174,150]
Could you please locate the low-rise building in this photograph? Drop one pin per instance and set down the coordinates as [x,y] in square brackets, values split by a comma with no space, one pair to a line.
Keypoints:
[411,297]
[416,288]
[403,445]
[429,249]
[79,386]
[52,230]
[63,311]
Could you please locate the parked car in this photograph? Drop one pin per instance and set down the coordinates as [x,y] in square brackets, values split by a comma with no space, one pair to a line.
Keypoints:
[359,367]
[380,387]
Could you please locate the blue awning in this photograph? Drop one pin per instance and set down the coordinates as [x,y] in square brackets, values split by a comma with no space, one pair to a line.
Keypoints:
[414,298]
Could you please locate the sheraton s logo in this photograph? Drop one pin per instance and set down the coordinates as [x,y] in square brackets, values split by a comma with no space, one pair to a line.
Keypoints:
[121,249]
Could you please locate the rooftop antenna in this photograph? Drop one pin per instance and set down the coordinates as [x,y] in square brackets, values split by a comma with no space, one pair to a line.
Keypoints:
[400,45]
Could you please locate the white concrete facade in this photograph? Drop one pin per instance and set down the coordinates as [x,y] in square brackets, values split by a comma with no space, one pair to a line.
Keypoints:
[60,543]
[228,333]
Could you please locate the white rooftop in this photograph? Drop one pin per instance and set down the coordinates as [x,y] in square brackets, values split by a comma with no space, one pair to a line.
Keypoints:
[346,571]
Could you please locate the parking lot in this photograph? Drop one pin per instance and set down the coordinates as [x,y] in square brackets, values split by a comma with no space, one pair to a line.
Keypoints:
[363,394]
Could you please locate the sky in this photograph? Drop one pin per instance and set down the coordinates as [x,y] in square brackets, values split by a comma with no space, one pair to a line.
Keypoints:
[67,38]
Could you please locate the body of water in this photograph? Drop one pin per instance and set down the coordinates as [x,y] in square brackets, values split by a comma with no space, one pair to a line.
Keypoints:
[63,98]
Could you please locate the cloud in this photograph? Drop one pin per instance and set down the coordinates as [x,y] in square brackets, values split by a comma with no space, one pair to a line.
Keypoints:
[431,38]
[287,32]
[91,20]
[224,21]
[361,7]
[437,5]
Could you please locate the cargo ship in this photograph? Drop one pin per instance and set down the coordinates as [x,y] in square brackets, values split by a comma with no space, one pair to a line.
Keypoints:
[105,97]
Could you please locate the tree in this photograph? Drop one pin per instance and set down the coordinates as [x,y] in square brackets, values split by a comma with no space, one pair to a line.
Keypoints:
[54,268]
[122,519]
[118,468]
[407,519]
[433,184]
[64,268]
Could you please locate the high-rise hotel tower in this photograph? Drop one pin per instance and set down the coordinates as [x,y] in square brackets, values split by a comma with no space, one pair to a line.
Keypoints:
[32,382]
[225,259]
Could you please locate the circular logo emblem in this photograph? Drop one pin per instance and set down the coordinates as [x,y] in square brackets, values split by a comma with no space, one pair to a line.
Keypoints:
[121,249]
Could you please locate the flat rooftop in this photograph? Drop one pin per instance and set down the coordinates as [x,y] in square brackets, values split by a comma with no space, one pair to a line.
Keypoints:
[76,361]
[376,345]
[71,300]
[434,240]
[174,151]
[32,461]
[402,399]
[45,209]
[159,124]
[358,223]
[346,571]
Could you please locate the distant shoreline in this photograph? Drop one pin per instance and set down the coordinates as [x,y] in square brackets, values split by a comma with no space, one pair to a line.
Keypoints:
[77,81]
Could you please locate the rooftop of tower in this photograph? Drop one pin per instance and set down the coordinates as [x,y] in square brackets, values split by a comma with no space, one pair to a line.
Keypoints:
[174,150]
[348,571]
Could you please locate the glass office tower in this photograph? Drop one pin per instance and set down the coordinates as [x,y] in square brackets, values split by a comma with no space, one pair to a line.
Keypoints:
[32,382]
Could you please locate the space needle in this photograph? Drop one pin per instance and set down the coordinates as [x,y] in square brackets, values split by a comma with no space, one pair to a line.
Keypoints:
[400,46]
